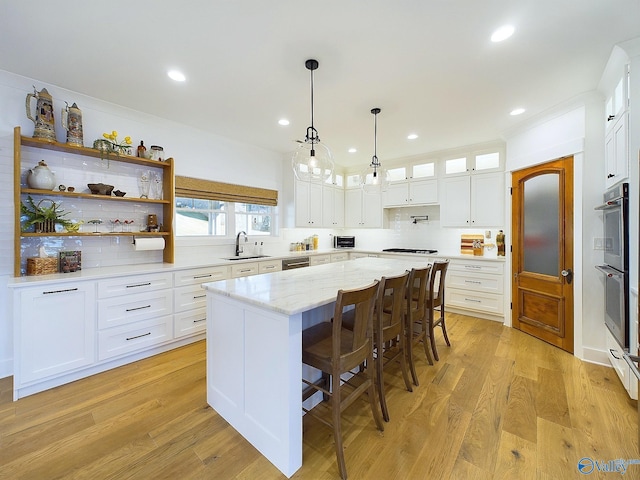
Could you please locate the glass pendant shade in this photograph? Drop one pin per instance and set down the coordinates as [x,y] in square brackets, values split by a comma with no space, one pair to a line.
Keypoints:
[312,160]
[375,178]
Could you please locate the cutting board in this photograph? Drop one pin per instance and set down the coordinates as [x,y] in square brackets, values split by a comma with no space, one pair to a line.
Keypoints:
[471,244]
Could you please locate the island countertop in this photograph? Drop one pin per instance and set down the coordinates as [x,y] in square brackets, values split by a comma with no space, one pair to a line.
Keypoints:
[294,291]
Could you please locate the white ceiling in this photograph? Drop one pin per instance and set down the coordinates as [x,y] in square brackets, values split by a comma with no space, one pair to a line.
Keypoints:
[428,64]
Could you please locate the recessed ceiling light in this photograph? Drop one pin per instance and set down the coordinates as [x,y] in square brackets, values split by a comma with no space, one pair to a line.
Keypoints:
[412,136]
[517,111]
[176,75]
[352,150]
[283,121]
[502,33]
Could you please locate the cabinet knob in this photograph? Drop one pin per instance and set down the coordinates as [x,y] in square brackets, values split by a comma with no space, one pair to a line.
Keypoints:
[611,175]
[610,117]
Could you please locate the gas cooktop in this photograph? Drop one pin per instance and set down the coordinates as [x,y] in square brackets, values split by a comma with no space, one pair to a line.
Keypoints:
[409,250]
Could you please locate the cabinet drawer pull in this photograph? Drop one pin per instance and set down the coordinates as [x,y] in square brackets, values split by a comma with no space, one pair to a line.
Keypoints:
[139,285]
[202,276]
[199,296]
[245,270]
[476,267]
[472,300]
[138,336]
[198,321]
[269,267]
[137,308]
[60,291]
[473,281]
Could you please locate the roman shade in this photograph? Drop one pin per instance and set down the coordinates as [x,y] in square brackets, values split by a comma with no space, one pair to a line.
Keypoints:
[228,192]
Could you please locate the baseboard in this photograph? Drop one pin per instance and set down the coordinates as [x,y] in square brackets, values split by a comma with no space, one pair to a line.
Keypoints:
[593,355]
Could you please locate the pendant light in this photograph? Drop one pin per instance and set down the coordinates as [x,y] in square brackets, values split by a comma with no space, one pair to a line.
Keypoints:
[375,178]
[312,160]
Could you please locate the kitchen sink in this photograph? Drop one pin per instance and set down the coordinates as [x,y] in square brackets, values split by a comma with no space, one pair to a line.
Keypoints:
[247,258]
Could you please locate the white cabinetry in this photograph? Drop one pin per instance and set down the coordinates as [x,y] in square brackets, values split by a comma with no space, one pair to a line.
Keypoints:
[269,266]
[244,269]
[339,257]
[614,353]
[134,312]
[617,150]
[475,200]
[54,331]
[477,286]
[332,206]
[362,209]
[308,204]
[411,192]
[319,259]
[617,124]
[190,299]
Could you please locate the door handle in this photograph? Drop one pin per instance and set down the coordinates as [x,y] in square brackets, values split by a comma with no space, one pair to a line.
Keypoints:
[568,274]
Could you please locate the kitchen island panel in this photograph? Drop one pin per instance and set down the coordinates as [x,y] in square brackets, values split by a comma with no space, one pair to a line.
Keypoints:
[253,376]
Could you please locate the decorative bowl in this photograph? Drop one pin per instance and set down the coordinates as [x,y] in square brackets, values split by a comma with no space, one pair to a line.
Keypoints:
[118,193]
[100,188]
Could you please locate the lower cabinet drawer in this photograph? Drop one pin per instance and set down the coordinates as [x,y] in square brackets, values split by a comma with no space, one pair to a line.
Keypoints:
[133,308]
[484,302]
[244,270]
[477,281]
[115,287]
[190,323]
[129,338]
[188,298]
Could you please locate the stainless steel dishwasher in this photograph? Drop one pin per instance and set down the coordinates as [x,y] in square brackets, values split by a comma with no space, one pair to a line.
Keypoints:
[297,262]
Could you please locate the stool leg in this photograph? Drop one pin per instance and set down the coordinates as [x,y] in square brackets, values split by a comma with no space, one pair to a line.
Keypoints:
[444,326]
[337,427]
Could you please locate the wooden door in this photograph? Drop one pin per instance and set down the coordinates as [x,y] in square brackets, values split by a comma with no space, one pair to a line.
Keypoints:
[542,260]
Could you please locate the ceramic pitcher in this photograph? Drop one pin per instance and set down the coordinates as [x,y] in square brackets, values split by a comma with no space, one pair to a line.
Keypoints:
[72,123]
[43,120]
[41,177]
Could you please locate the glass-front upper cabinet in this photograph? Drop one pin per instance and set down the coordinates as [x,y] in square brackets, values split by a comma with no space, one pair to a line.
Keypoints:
[397,174]
[423,170]
[475,162]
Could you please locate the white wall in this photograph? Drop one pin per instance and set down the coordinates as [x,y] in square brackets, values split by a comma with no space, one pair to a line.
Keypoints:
[196,153]
[574,129]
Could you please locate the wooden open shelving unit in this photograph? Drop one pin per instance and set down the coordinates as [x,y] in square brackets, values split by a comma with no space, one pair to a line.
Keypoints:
[19,192]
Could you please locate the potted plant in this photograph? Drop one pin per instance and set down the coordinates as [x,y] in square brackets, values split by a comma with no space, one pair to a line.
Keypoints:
[43,216]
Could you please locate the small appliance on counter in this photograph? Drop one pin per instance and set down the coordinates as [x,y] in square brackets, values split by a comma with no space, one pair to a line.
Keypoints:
[340,241]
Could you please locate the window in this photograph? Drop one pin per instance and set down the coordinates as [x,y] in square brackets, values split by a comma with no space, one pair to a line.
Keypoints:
[200,217]
[220,219]
[253,219]
[205,207]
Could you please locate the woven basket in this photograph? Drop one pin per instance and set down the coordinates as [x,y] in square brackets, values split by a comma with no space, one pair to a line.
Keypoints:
[48,226]
[42,265]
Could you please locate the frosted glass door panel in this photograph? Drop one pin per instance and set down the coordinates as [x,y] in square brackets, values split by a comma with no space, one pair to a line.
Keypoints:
[541,234]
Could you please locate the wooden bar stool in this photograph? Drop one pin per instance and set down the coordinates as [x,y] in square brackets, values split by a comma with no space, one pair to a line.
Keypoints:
[416,316]
[389,339]
[435,300]
[335,350]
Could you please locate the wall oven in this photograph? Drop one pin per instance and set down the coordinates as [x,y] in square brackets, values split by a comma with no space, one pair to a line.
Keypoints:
[615,215]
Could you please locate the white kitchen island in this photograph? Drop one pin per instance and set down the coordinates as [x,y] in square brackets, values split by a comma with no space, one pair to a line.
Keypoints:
[254,346]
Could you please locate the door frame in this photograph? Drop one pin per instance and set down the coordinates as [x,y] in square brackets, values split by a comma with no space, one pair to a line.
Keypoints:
[575,149]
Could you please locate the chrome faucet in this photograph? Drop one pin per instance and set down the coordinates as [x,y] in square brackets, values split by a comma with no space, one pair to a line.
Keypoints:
[240,249]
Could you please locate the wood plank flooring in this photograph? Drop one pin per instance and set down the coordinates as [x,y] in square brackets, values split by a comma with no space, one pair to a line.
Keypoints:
[498,405]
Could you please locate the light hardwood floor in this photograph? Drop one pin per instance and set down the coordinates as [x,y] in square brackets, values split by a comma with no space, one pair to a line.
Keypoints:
[499,404]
